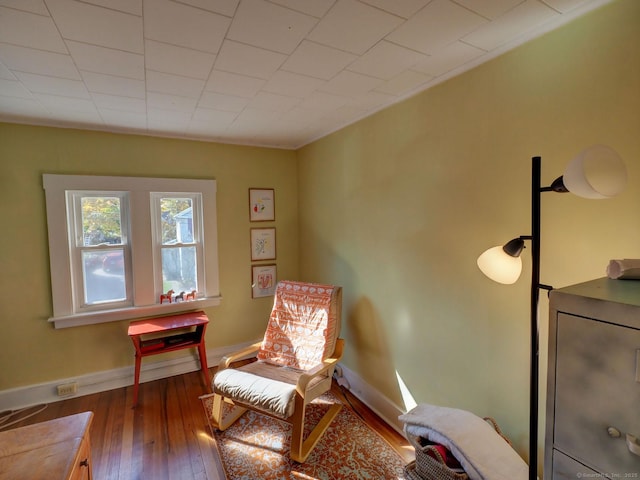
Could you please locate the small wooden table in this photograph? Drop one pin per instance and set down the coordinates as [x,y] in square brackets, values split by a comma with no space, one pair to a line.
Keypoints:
[167,340]
[57,449]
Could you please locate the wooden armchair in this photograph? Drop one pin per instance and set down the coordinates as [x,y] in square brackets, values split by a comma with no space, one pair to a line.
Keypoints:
[296,360]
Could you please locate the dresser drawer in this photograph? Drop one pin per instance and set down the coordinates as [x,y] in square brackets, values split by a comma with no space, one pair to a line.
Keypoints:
[566,468]
[596,388]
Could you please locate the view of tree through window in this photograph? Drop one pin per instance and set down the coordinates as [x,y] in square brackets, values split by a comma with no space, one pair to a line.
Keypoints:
[102,268]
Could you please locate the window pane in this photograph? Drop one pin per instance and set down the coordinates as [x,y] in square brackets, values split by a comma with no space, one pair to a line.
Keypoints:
[177,220]
[101,221]
[179,272]
[103,272]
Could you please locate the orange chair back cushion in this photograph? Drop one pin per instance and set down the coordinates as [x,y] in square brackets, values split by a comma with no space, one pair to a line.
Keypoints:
[303,325]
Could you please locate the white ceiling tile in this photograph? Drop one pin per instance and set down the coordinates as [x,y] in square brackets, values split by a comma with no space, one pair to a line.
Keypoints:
[233,84]
[490,9]
[227,103]
[108,84]
[170,102]
[183,25]
[167,58]
[526,16]
[273,102]
[403,83]
[263,24]
[174,84]
[564,5]
[122,119]
[5,73]
[371,100]
[59,103]
[29,30]
[350,83]
[117,102]
[316,8]
[257,62]
[79,117]
[97,25]
[13,88]
[38,61]
[22,108]
[337,30]
[167,121]
[402,8]
[128,6]
[319,61]
[426,32]
[97,59]
[386,60]
[53,85]
[292,84]
[448,58]
[224,7]
[323,101]
[220,117]
[33,6]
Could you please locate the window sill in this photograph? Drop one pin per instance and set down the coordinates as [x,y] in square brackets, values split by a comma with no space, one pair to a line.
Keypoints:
[131,313]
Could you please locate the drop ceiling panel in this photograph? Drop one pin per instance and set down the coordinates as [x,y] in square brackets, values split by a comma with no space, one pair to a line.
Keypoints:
[401,8]
[279,73]
[337,30]
[386,60]
[524,17]
[319,61]
[33,6]
[184,25]
[97,59]
[247,60]
[96,25]
[426,32]
[29,30]
[38,61]
[167,58]
[234,84]
[315,8]
[269,26]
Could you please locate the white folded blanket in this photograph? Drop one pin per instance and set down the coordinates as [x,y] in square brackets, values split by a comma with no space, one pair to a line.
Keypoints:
[628,268]
[482,452]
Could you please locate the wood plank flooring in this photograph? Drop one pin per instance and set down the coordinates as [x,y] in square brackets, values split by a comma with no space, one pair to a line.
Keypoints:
[166,436]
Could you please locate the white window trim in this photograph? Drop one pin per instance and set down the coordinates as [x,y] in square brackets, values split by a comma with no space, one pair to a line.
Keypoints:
[145,301]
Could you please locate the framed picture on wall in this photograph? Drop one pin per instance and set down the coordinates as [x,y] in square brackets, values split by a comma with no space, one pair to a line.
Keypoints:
[262,204]
[263,280]
[263,244]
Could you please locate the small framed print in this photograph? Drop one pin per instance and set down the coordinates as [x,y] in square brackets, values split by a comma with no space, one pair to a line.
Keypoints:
[263,280]
[262,204]
[263,244]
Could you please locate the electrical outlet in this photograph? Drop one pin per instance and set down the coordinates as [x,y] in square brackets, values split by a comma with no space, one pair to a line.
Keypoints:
[67,389]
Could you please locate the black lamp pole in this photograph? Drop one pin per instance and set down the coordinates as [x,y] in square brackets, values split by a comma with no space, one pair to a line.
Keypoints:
[535,295]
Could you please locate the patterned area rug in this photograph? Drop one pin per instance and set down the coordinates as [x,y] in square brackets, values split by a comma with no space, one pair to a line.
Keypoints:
[256,447]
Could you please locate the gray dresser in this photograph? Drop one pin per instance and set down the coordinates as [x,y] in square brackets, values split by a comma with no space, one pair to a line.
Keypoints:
[593,387]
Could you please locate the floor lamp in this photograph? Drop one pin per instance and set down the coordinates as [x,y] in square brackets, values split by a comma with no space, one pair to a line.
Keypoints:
[597,172]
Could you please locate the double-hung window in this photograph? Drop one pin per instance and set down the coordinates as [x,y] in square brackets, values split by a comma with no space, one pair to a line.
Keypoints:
[126,247]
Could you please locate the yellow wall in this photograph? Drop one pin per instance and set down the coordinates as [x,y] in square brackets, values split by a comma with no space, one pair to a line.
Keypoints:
[32,350]
[397,207]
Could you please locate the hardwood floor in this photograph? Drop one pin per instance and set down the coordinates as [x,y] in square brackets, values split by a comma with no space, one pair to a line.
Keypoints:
[166,436]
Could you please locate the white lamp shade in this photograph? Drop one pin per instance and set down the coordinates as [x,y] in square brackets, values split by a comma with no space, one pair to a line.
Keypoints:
[596,172]
[499,266]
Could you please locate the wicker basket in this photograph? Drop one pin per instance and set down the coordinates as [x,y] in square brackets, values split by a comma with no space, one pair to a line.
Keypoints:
[429,464]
